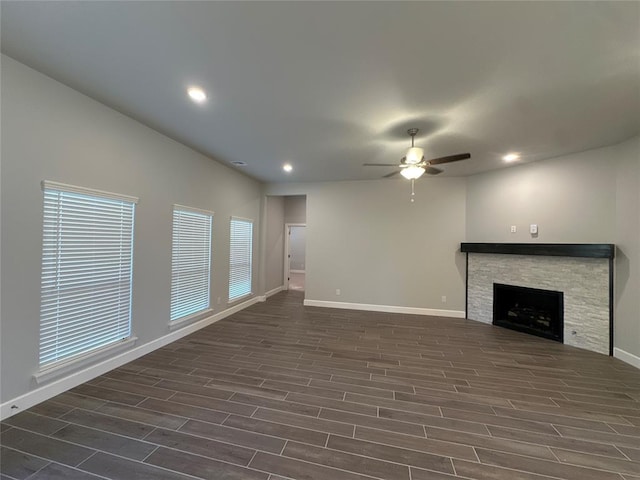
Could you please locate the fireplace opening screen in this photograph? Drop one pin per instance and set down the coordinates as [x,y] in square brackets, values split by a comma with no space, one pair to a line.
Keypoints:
[530,310]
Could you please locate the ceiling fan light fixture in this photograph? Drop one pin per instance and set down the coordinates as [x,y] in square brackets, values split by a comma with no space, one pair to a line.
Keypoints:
[412,173]
[414,155]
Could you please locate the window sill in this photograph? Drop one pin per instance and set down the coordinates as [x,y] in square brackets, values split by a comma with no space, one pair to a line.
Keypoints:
[189,319]
[240,299]
[65,367]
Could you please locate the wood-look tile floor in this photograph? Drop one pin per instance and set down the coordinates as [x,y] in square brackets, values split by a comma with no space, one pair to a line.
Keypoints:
[284,391]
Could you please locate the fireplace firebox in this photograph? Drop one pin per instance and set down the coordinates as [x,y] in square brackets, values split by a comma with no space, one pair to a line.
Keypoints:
[529,310]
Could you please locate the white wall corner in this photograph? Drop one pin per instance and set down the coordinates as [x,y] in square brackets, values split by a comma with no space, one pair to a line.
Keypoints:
[49,390]
[385,308]
[627,357]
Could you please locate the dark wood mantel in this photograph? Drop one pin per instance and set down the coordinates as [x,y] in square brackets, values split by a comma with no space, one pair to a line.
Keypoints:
[589,250]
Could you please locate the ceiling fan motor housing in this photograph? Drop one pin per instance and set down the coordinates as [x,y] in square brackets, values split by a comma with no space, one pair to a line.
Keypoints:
[414,155]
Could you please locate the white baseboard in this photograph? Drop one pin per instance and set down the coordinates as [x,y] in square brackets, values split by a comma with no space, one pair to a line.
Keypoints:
[274,291]
[74,379]
[627,357]
[384,308]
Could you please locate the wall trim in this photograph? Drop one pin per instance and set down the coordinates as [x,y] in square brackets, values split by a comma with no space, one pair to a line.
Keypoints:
[79,377]
[385,308]
[627,357]
[272,292]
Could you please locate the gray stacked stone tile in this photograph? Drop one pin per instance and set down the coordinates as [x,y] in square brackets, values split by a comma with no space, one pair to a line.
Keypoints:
[584,282]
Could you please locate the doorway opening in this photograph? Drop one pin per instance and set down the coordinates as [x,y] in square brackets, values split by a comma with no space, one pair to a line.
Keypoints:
[294,256]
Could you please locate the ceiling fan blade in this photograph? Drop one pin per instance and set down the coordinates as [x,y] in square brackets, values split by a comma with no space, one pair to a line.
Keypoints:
[389,175]
[380,164]
[433,170]
[450,158]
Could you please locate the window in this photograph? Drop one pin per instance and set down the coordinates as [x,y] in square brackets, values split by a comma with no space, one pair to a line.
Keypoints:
[190,261]
[241,242]
[87,259]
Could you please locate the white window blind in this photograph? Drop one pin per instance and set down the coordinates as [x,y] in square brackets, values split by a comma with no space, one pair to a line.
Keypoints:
[87,259]
[190,261]
[241,243]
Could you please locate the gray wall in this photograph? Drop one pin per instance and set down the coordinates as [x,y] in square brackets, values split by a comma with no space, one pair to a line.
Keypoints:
[627,280]
[368,240]
[274,243]
[52,132]
[295,209]
[588,197]
[571,199]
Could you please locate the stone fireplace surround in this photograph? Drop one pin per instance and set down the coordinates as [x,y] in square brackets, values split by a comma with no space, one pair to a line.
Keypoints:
[583,272]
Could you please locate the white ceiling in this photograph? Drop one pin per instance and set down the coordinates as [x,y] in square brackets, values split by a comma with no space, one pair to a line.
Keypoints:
[327,86]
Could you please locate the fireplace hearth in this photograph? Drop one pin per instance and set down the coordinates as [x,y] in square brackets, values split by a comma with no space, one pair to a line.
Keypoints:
[529,310]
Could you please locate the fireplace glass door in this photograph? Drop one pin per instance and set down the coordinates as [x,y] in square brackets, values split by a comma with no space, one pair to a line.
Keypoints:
[530,310]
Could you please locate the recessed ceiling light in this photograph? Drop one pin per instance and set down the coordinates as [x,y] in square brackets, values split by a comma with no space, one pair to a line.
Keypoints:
[287,167]
[197,94]
[511,157]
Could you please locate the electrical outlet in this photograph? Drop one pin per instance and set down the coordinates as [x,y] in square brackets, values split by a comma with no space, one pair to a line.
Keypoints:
[513,229]
[444,299]
[338,292]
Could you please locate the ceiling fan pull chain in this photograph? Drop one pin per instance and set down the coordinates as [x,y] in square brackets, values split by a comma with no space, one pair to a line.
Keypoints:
[413,193]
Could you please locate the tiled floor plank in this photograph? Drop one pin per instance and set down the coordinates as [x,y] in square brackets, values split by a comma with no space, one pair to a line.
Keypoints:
[118,468]
[426,445]
[108,423]
[107,442]
[277,430]
[36,423]
[327,426]
[201,446]
[20,465]
[55,471]
[202,467]
[488,472]
[142,414]
[392,454]
[45,447]
[347,461]
[291,468]
[234,436]
[542,467]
